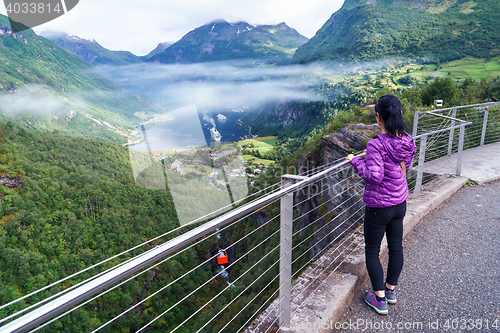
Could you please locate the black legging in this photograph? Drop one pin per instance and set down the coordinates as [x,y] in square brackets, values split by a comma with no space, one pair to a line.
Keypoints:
[378,221]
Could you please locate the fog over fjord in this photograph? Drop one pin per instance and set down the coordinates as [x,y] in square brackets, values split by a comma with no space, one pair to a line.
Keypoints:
[214,86]
[219,85]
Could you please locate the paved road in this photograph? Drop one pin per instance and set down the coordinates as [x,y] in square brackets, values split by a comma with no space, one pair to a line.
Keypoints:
[452,271]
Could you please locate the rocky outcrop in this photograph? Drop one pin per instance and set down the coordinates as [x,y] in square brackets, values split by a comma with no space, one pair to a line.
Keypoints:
[338,144]
[286,113]
[7,31]
[11,183]
[272,118]
[333,206]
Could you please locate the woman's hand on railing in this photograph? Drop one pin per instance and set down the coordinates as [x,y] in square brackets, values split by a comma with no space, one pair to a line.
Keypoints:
[351,156]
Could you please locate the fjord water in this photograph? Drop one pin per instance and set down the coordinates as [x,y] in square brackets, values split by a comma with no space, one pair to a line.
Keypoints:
[189,128]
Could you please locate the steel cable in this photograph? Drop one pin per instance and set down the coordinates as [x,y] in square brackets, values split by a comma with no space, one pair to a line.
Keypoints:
[241,293]
[192,315]
[260,308]
[103,262]
[319,193]
[333,271]
[170,257]
[307,263]
[279,314]
[270,311]
[309,224]
[305,239]
[168,285]
[345,240]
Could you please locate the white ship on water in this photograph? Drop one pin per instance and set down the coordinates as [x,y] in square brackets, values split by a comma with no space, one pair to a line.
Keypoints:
[221,116]
[215,134]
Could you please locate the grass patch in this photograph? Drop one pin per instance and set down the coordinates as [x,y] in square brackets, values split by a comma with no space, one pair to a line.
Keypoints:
[416,74]
[257,160]
[263,145]
[476,68]
[458,69]
[201,168]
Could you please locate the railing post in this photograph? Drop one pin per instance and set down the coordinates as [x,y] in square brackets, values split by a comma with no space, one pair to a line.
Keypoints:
[415,123]
[420,172]
[485,124]
[452,131]
[415,129]
[286,254]
[286,217]
[460,149]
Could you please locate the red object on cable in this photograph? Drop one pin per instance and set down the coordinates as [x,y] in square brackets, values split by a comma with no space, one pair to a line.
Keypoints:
[222,258]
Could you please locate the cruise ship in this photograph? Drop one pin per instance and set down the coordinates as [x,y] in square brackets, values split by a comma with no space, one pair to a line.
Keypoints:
[221,116]
[215,134]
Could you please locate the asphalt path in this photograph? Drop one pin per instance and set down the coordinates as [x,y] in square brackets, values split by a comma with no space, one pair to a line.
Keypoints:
[451,276]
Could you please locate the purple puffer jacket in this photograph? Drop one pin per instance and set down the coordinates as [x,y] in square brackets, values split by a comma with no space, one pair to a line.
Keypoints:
[385,181]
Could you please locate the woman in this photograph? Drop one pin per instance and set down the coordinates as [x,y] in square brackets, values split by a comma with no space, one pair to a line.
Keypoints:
[388,155]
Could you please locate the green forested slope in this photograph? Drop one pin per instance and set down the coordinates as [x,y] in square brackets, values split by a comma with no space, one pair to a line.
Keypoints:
[74,203]
[43,86]
[433,30]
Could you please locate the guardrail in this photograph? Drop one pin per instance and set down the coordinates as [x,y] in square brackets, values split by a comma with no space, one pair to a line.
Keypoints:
[55,309]
[484,119]
[316,211]
[435,130]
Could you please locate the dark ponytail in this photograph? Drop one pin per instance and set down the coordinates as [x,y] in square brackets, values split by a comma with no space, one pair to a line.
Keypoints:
[389,109]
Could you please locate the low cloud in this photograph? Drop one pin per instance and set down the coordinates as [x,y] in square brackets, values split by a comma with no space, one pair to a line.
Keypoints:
[220,85]
[231,84]
[33,100]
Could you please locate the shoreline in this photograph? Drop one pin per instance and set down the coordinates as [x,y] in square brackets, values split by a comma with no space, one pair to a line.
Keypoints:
[134,142]
[171,150]
[242,124]
[157,119]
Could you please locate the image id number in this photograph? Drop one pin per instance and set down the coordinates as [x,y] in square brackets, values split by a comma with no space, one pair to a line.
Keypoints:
[470,324]
[32,8]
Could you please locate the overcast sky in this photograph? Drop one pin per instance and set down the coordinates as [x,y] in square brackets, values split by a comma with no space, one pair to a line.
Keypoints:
[139,25]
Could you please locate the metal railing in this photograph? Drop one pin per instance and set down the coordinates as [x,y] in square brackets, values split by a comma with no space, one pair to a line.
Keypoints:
[317,211]
[88,290]
[484,119]
[434,132]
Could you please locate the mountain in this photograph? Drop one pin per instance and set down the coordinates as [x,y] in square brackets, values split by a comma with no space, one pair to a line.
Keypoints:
[159,49]
[44,86]
[220,40]
[91,51]
[432,30]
